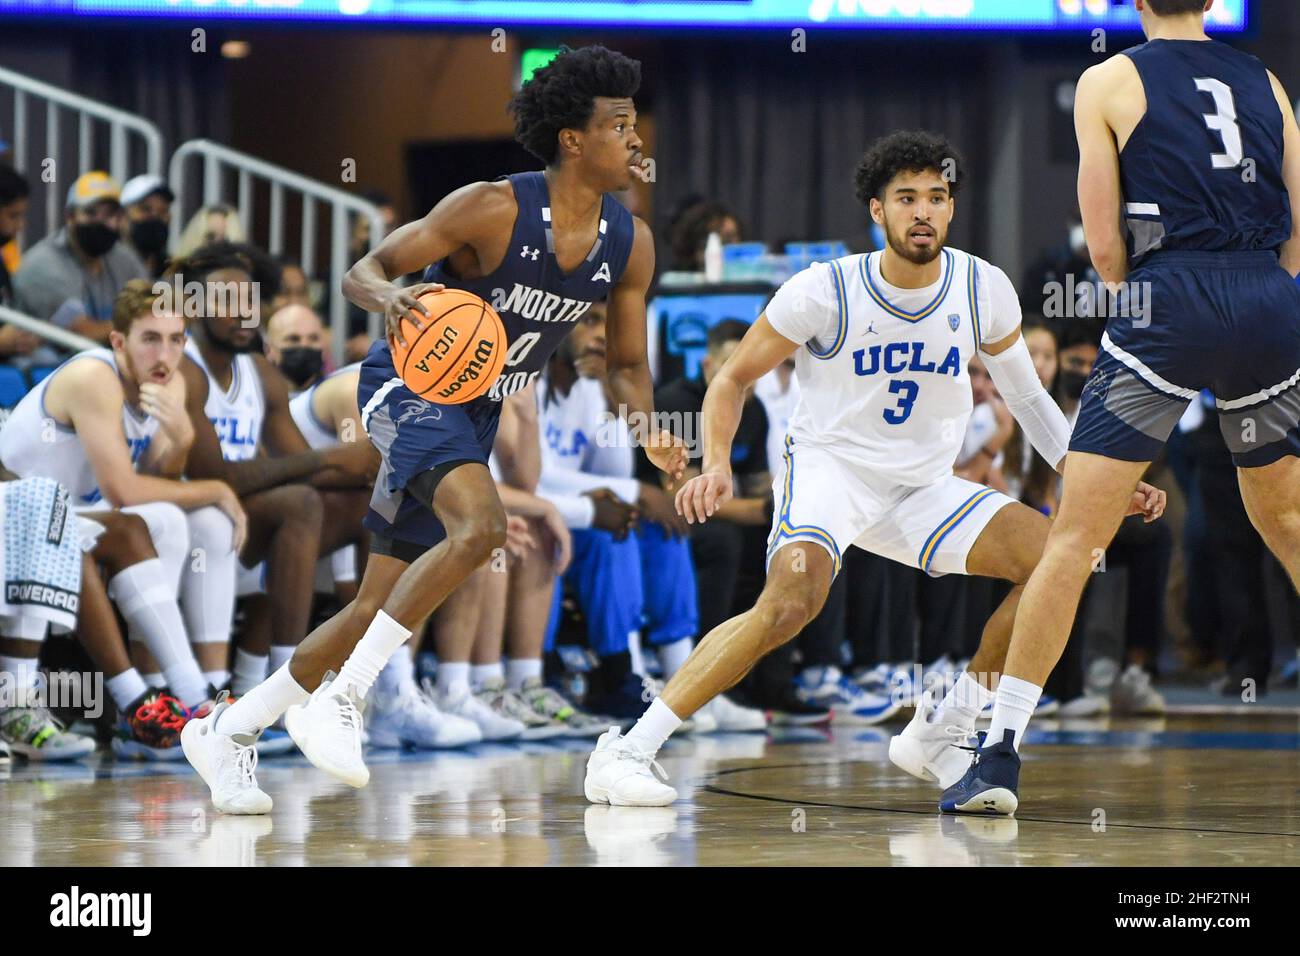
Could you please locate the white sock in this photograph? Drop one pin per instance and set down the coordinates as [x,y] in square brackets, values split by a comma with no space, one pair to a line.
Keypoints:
[453,678]
[398,675]
[217,679]
[520,670]
[155,680]
[148,603]
[21,677]
[634,650]
[382,638]
[279,656]
[126,688]
[673,656]
[963,703]
[655,726]
[207,589]
[263,705]
[250,670]
[1012,708]
[480,674]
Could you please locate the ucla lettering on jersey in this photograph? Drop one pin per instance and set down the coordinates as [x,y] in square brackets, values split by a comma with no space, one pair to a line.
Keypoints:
[236,413]
[32,444]
[537,302]
[1203,169]
[883,375]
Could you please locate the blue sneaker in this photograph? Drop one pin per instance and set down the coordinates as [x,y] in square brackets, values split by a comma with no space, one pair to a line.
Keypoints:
[849,703]
[989,786]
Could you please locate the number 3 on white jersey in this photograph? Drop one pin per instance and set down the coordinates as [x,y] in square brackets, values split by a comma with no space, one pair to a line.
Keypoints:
[1224,122]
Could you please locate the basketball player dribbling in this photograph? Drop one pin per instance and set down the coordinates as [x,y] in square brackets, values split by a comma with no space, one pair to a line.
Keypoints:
[1195,147]
[882,345]
[540,247]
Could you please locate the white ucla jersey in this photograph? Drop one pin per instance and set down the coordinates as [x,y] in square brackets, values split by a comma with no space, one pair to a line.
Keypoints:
[583,446]
[33,445]
[236,414]
[882,370]
[317,433]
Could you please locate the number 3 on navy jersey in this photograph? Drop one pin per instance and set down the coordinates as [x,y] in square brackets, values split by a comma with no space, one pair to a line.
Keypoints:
[1224,122]
[908,391]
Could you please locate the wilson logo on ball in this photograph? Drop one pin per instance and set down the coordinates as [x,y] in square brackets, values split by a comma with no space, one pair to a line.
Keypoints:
[459,351]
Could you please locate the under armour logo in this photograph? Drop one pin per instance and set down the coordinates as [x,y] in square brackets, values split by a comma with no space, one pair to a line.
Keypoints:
[530,253]
[602,274]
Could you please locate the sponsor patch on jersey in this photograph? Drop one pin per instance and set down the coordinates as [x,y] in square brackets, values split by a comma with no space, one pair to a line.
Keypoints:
[954,320]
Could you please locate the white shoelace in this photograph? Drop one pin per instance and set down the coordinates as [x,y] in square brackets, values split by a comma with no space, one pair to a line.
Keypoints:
[239,772]
[349,717]
[645,759]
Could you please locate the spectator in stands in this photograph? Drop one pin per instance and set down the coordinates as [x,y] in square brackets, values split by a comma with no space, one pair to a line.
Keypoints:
[690,232]
[1030,478]
[1060,270]
[293,339]
[295,287]
[14,191]
[216,223]
[148,203]
[73,277]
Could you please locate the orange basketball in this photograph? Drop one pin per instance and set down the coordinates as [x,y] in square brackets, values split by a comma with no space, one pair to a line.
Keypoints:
[458,354]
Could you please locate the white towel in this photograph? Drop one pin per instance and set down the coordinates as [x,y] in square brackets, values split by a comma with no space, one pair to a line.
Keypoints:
[40,552]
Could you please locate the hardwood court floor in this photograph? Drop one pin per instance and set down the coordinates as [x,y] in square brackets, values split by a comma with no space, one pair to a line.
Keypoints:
[1180,791]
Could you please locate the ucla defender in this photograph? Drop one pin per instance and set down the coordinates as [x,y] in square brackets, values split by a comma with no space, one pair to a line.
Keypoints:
[881,344]
[541,247]
[1195,147]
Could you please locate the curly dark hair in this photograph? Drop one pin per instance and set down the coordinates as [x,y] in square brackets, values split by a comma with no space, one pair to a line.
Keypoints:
[912,151]
[561,95]
[690,232]
[215,256]
[1175,8]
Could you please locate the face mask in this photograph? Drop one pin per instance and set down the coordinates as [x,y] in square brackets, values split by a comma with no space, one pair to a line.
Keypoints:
[94,238]
[1072,384]
[149,236]
[301,364]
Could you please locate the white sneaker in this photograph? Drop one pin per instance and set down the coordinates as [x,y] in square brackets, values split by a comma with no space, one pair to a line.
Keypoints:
[1086,704]
[491,725]
[704,721]
[931,751]
[411,718]
[327,729]
[1133,693]
[623,777]
[227,764]
[732,718]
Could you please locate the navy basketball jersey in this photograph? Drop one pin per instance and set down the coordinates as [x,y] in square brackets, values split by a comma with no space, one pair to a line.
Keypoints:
[1203,169]
[538,303]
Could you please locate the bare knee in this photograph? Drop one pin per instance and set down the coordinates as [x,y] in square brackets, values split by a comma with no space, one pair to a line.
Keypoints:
[477,538]
[784,613]
[125,541]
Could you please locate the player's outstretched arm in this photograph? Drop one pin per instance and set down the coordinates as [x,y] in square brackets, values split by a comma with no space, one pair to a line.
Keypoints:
[762,349]
[472,216]
[1100,195]
[1290,174]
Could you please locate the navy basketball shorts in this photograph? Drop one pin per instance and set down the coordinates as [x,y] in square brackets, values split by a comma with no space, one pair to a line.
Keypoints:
[415,438]
[1227,322]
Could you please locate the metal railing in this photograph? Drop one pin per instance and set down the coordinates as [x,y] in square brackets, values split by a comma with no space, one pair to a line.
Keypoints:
[51,333]
[61,110]
[219,162]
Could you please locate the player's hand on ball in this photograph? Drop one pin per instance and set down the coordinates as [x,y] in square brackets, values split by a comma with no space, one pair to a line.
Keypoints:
[700,497]
[668,453]
[1148,501]
[405,304]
